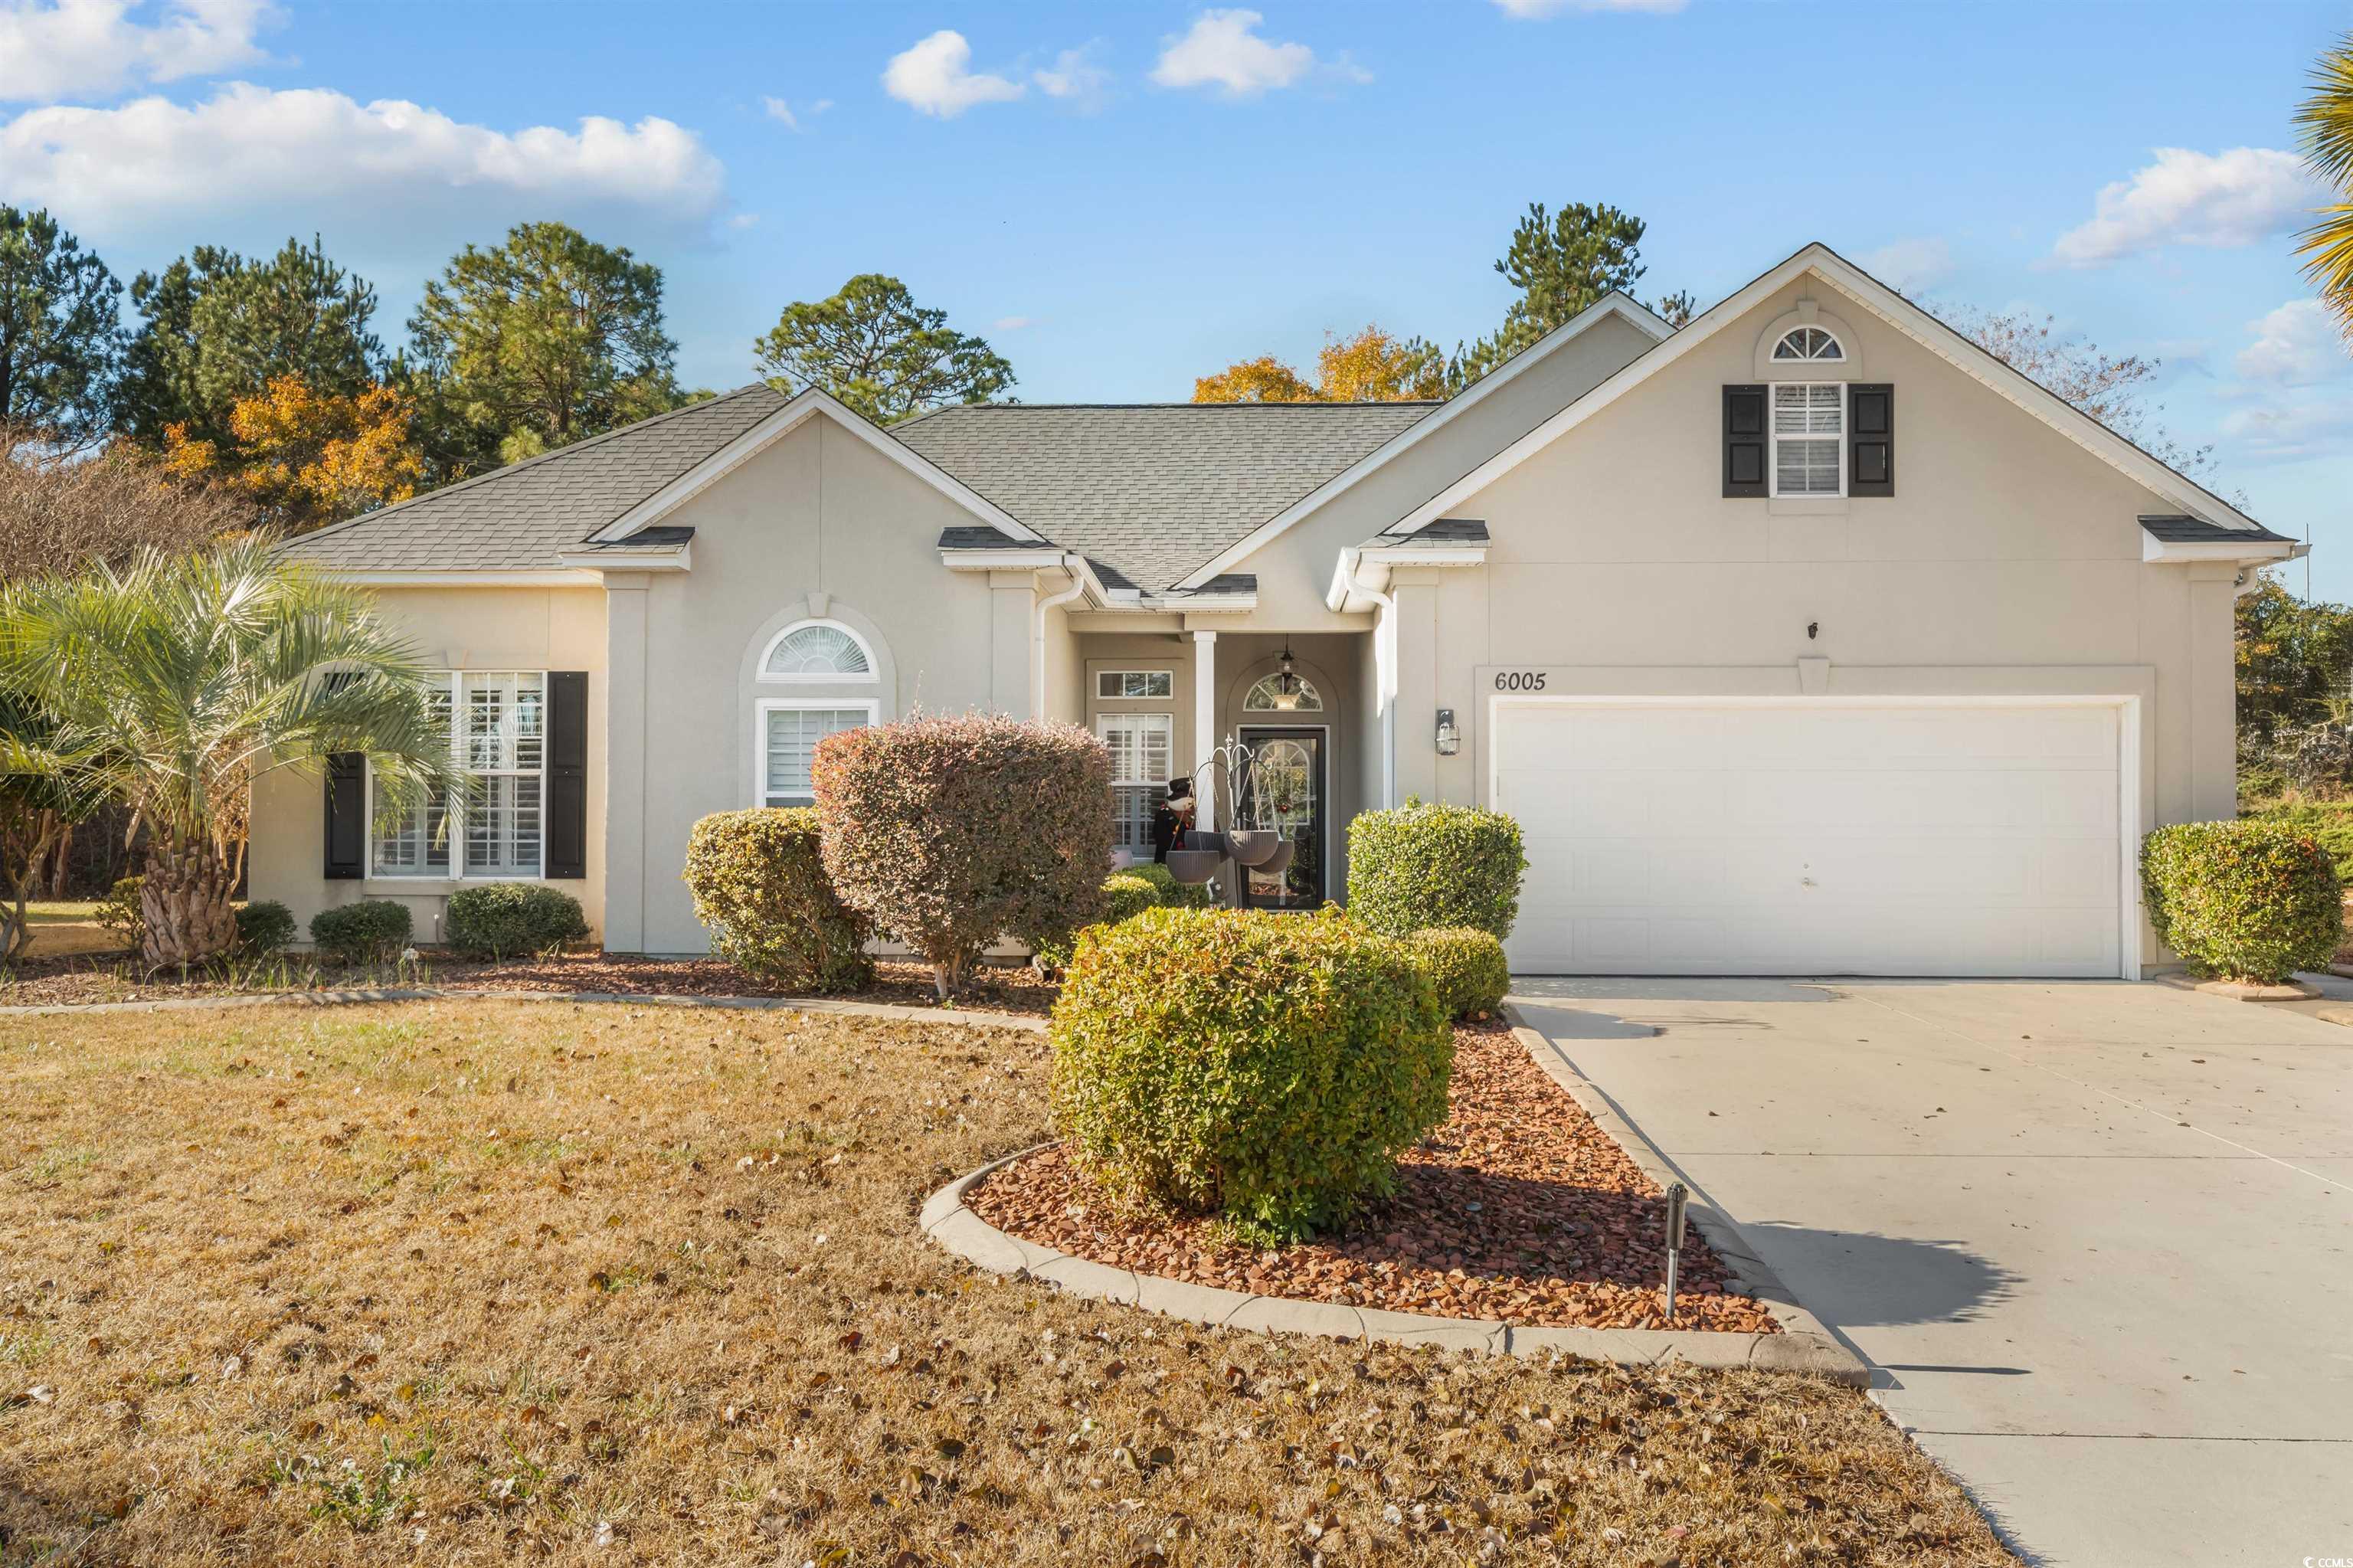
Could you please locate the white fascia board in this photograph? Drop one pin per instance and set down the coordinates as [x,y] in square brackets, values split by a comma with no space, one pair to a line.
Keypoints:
[451,579]
[1049,560]
[1001,560]
[774,428]
[1891,308]
[1371,566]
[667,558]
[1613,303]
[1427,554]
[2255,552]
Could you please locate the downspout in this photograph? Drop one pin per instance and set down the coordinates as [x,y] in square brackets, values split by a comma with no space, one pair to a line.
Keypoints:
[1076,566]
[1384,688]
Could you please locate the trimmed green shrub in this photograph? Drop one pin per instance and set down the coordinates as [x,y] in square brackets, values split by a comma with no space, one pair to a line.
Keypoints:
[1174,894]
[264,929]
[1125,895]
[949,832]
[2329,824]
[1421,866]
[760,888]
[2250,901]
[372,931]
[1268,1067]
[1466,966]
[119,915]
[502,920]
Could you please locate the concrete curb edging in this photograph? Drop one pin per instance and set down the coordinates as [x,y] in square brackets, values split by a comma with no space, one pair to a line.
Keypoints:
[1811,1342]
[1803,1345]
[898,1012]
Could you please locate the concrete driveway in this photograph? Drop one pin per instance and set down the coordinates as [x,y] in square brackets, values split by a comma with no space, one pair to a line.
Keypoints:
[2096,1239]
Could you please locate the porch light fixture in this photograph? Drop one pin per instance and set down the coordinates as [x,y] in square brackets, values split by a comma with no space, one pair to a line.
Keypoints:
[1287,684]
[1449,739]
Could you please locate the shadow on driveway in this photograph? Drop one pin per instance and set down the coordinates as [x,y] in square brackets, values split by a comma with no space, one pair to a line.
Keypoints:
[1855,1279]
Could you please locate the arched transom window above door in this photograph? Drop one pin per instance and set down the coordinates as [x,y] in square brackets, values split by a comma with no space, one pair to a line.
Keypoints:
[817,651]
[1282,694]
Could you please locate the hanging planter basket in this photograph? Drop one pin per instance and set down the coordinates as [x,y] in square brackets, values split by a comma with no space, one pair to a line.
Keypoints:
[1278,860]
[1251,846]
[1193,867]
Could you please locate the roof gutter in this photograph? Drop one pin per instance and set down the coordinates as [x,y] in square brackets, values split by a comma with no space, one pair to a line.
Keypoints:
[1076,566]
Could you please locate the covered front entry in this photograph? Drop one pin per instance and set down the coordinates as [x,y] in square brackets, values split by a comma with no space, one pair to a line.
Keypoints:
[1817,836]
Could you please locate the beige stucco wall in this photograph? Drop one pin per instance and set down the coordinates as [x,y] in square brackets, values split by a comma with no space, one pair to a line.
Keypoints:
[819,513]
[452,628]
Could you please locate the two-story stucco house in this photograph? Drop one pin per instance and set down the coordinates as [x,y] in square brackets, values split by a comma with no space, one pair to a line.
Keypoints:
[1808,639]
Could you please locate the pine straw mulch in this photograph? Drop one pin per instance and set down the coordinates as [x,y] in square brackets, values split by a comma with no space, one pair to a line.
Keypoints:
[1519,1210]
[114,976]
[450,1282]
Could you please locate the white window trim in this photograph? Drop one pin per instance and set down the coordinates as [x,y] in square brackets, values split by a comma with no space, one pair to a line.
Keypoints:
[1169,675]
[453,815]
[1774,354]
[1774,437]
[874,668]
[766,705]
[1251,691]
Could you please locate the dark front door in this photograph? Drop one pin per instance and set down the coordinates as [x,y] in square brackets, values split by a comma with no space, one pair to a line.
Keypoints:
[1281,788]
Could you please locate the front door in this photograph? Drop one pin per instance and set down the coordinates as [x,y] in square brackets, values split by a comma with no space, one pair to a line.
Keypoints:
[1281,788]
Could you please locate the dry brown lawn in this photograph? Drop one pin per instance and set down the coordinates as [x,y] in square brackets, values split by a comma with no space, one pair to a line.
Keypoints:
[472,1282]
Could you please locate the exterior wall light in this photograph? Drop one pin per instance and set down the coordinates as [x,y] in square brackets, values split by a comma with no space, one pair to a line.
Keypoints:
[1449,739]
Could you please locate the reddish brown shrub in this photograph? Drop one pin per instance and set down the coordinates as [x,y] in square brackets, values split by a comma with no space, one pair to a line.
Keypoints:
[948,833]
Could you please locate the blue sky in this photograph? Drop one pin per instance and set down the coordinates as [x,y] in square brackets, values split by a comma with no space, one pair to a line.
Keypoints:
[1124,197]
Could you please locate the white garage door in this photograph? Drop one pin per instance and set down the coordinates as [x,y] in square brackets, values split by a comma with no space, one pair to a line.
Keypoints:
[1814,839]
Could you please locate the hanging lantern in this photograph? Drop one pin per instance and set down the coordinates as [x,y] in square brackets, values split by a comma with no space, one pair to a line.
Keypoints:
[1287,683]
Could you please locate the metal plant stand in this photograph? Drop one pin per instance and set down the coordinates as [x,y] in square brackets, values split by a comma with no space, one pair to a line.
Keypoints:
[1207,850]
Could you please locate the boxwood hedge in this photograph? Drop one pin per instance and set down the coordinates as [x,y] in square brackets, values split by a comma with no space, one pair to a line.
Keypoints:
[760,887]
[2246,900]
[1268,1067]
[372,931]
[1467,967]
[1420,866]
[503,919]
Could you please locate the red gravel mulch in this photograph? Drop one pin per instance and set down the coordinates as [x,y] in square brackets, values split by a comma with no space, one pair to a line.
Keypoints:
[50,982]
[1519,1210]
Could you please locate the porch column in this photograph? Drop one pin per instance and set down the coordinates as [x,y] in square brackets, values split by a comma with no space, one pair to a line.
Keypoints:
[1204,723]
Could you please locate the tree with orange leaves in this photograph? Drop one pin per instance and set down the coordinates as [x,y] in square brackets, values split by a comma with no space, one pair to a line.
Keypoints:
[308,457]
[1370,367]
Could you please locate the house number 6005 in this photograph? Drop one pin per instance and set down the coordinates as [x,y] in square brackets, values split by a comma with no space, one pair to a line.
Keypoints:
[1520,680]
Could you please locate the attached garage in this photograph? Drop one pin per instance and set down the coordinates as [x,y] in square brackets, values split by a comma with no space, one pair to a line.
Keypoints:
[1820,835]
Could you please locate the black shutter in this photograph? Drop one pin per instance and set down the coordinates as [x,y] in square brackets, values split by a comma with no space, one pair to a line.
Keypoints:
[346,817]
[1871,462]
[567,774]
[1744,442]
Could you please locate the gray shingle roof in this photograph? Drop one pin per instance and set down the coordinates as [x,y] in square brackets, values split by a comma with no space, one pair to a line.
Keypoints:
[1436,535]
[1153,490]
[518,518]
[978,536]
[2179,530]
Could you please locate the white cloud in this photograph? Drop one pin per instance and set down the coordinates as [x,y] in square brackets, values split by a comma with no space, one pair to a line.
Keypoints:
[1224,50]
[1076,76]
[1012,324]
[743,221]
[2218,199]
[936,76]
[2295,345]
[1911,265]
[58,48]
[1531,10]
[2289,430]
[388,168]
[781,112]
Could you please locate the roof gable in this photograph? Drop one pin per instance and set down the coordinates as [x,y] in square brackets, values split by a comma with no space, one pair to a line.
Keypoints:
[1894,310]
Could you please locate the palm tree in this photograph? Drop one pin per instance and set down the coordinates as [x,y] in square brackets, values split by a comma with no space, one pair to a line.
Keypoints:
[2325,124]
[173,683]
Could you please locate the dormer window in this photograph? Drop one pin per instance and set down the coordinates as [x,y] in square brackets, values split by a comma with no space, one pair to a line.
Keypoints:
[1810,345]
